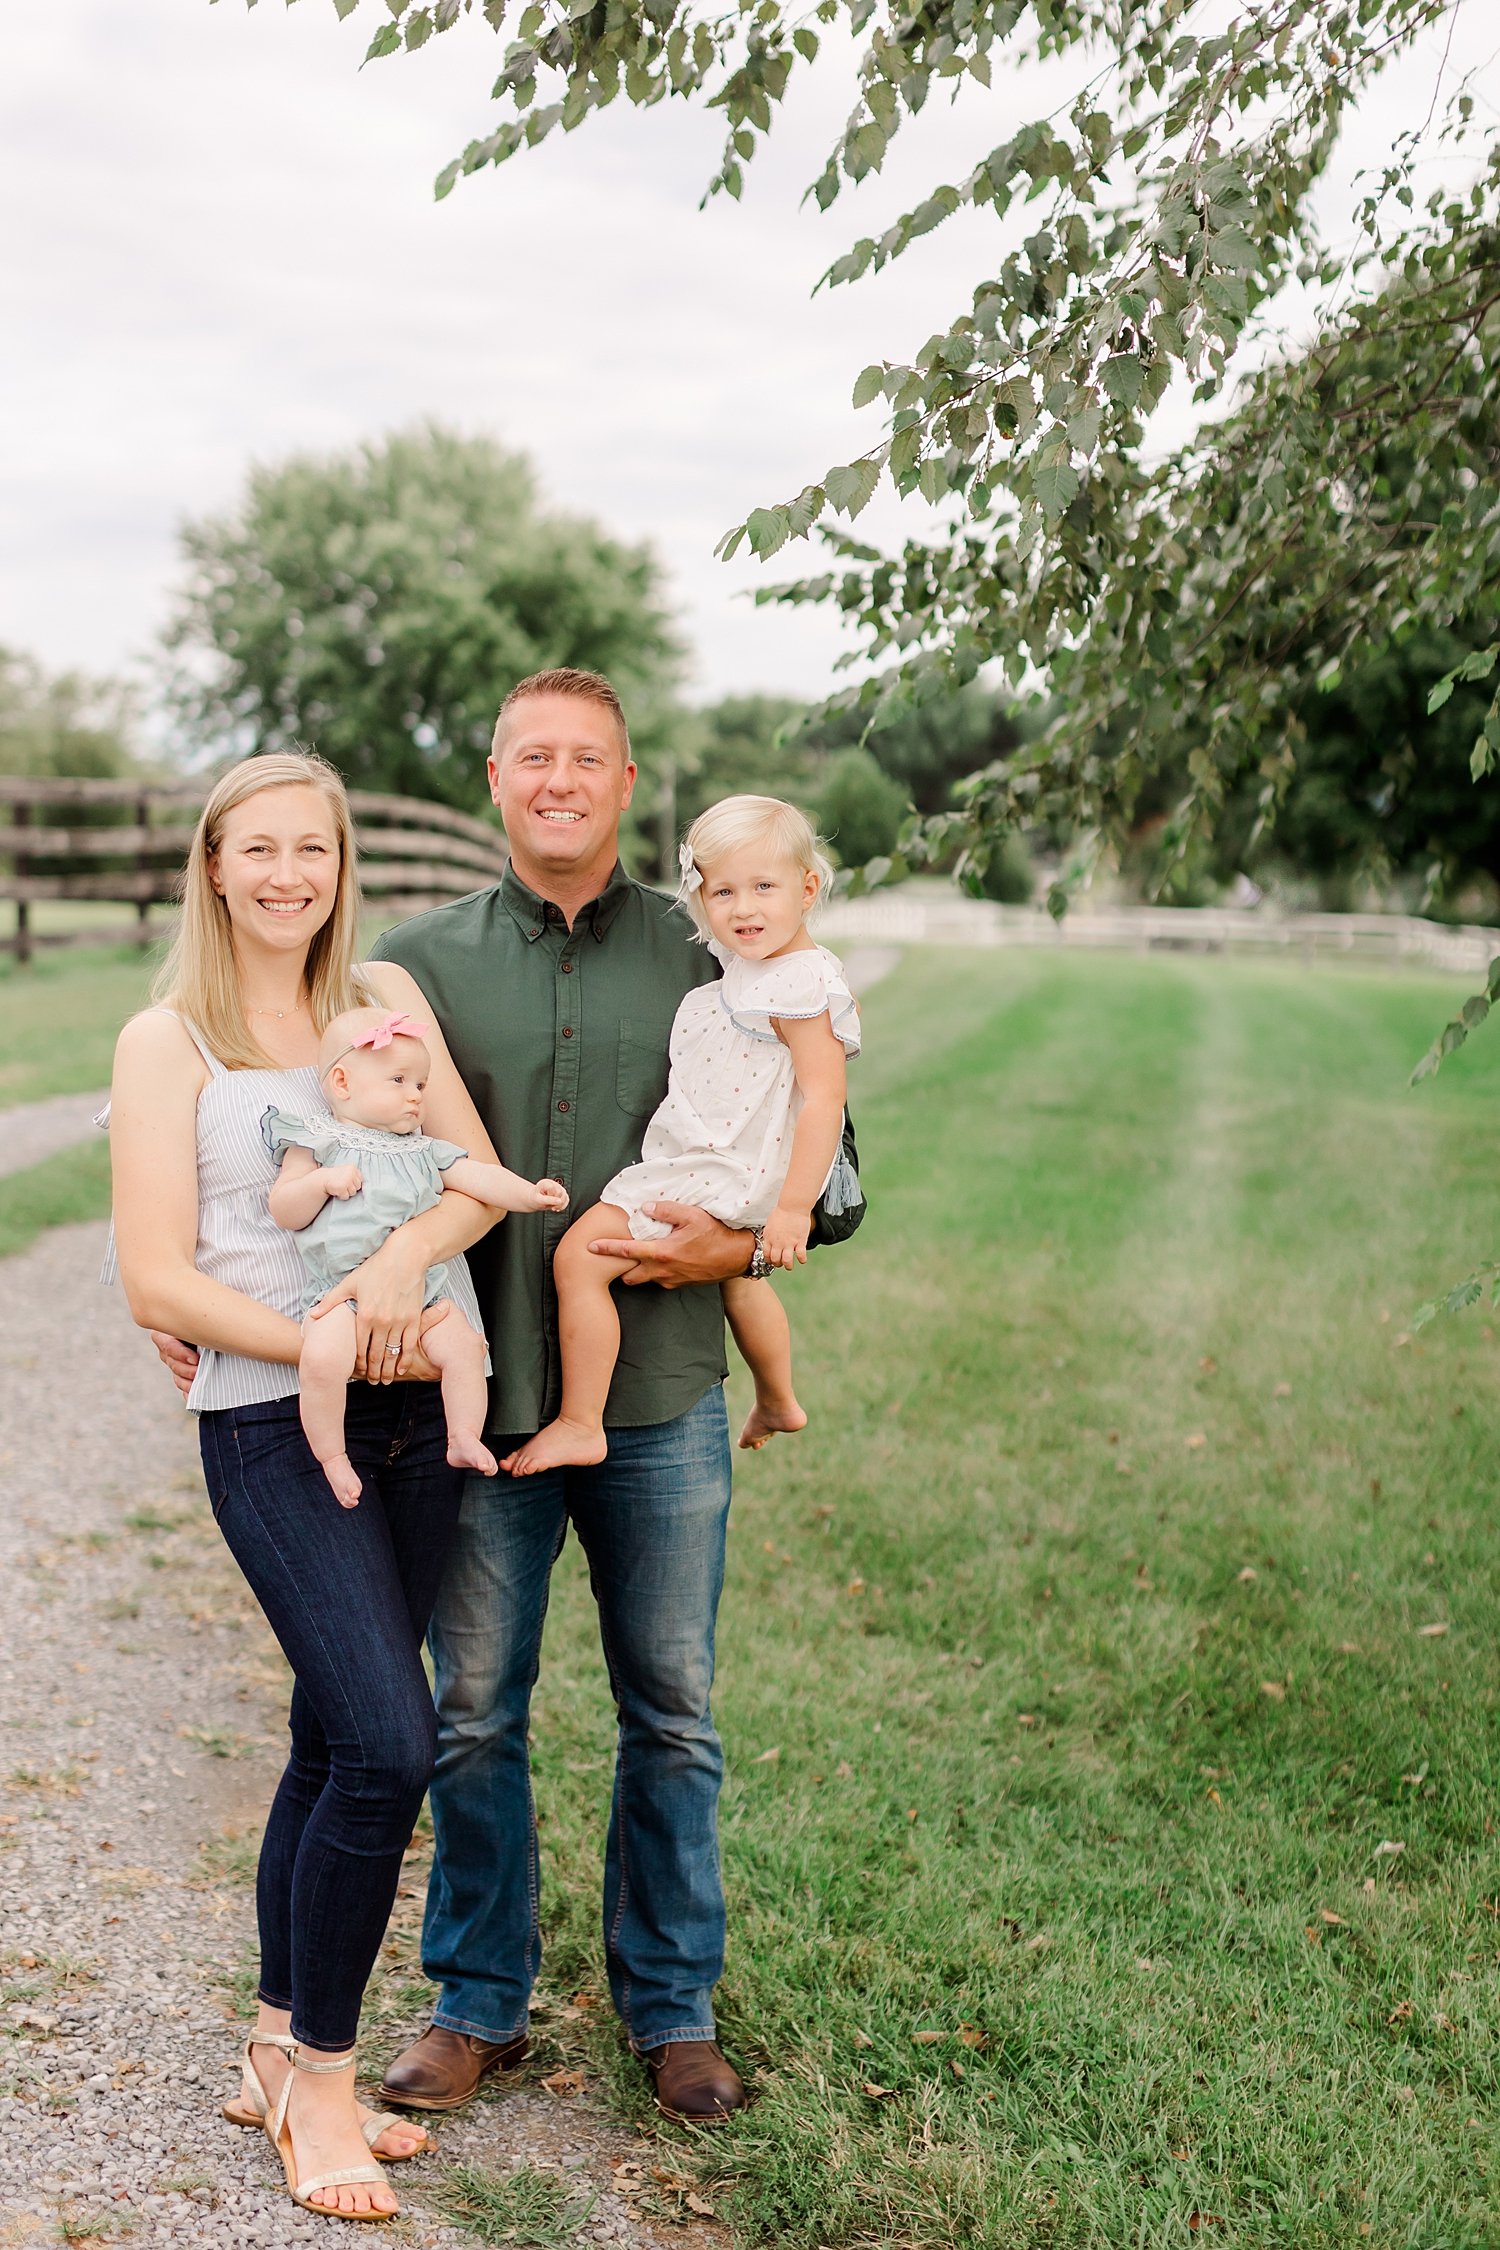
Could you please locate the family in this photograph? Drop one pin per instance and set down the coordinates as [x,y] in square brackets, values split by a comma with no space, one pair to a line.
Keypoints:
[395,1437]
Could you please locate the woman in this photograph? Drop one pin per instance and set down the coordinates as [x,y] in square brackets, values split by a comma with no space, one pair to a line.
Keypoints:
[262,963]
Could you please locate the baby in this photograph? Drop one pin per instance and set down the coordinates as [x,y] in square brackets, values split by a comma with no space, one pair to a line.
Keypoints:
[751,1126]
[350,1178]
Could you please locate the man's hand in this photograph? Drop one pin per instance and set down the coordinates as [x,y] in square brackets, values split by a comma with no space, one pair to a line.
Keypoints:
[387,1292]
[179,1359]
[698,1248]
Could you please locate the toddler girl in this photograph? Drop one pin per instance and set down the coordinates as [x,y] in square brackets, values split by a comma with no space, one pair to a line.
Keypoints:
[350,1178]
[751,1126]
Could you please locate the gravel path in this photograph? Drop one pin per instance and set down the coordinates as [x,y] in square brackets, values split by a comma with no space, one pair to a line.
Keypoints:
[40,1129]
[140,1722]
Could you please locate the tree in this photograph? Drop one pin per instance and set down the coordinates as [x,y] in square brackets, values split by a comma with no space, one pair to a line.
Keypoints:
[377,605]
[1167,207]
[63,724]
[859,808]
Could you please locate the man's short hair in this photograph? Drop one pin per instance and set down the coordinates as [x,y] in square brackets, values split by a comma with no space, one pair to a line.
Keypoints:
[567,679]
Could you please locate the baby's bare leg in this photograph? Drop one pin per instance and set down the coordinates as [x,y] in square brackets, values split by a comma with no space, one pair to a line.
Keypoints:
[324,1368]
[588,1329]
[763,1334]
[457,1352]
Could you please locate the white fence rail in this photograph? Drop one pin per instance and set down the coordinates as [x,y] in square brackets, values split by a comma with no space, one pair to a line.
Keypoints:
[902,919]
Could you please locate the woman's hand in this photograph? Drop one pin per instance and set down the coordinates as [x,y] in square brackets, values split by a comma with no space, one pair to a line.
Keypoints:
[387,1293]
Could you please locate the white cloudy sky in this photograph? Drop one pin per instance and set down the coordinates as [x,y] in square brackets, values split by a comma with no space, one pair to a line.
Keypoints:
[221,246]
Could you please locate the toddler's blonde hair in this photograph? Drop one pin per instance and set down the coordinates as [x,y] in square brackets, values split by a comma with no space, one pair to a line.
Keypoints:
[735,824]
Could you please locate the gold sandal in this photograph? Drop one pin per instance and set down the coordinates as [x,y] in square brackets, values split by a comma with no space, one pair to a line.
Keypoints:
[279,2133]
[252,2108]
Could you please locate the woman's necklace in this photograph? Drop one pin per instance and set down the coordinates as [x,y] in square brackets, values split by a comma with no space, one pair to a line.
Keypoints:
[278,1013]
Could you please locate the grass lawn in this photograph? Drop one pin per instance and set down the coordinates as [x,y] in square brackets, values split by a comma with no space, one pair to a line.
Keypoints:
[1109,1836]
[60,1017]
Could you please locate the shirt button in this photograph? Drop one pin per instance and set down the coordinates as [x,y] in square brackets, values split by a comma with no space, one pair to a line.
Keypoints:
[564,1105]
[567,1031]
[567,968]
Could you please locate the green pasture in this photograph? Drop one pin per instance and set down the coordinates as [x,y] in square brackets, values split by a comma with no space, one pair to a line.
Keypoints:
[1076,1671]
[1108,1675]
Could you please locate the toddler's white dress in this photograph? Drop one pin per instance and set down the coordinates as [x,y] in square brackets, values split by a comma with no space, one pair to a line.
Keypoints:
[722,1138]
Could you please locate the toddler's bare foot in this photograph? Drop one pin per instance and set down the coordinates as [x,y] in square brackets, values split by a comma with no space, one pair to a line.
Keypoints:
[467,1450]
[347,1488]
[561,1445]
[766,1421]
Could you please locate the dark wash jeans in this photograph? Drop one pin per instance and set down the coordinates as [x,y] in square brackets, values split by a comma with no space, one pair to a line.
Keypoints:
[347,1592]
[651,1519]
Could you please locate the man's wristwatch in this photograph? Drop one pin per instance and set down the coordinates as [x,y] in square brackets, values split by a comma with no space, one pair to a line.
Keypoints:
[758,1268]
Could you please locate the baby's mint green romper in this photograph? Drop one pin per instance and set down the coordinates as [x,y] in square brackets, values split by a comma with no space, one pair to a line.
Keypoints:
[403,1175]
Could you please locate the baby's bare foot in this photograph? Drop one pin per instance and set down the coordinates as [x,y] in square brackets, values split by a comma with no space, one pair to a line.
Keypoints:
[467,1450]
[767,1421]
[339,1470]
[561,1445]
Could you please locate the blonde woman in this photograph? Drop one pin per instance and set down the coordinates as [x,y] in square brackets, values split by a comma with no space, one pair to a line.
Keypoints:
[263,963]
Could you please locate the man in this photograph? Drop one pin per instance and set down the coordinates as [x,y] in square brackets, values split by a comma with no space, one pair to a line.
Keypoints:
[555,991]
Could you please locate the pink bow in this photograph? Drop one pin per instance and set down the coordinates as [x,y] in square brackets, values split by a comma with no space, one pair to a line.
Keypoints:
[395,1026]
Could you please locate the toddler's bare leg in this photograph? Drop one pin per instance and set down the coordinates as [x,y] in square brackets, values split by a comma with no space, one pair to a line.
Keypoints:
[589,1336]
[763,1334]
[457,1352]
[324,1368]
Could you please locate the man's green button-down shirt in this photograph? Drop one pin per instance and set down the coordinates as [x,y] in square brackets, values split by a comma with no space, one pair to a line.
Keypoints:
[561,1038]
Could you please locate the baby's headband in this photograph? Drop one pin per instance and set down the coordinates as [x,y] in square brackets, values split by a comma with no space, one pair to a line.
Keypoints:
[394,1026]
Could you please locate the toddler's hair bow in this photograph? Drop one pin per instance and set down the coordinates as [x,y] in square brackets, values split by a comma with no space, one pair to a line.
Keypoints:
[394,1026]
[692,879]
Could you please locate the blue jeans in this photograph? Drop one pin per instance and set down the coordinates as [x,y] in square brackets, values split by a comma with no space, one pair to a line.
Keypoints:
[651,1520]
[347,1592]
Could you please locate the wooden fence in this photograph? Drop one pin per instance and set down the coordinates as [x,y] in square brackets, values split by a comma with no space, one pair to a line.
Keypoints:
[133,839]
[931,914]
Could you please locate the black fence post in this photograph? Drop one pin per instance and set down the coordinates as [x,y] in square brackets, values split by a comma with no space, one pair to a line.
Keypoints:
[143,867]
[23,906]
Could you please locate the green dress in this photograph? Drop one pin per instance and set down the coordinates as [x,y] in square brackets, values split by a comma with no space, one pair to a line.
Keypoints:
[403,1176]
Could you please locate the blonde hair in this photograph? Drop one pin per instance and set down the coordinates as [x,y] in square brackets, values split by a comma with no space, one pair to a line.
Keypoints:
[200,976]
[737,823]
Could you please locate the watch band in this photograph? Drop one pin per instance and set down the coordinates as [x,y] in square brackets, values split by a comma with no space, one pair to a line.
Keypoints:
[758,1270]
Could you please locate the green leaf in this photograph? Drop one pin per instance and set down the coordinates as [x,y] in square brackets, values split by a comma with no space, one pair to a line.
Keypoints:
[767,529]
[1121,376]
[1055,484]
[1440,694]
[345,8]
[1017,393]
[387,41]
[849,489]
[805,42]
[1084,428]
[869,384]
[1234,250]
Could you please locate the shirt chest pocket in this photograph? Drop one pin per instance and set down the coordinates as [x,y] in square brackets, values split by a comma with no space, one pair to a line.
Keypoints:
[641,1068]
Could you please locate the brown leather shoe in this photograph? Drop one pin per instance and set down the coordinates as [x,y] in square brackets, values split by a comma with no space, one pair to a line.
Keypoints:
[445,2069]
[693,2083]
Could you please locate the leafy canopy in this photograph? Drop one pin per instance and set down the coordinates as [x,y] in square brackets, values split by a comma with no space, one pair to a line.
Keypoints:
[1143,233]
[376,605]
